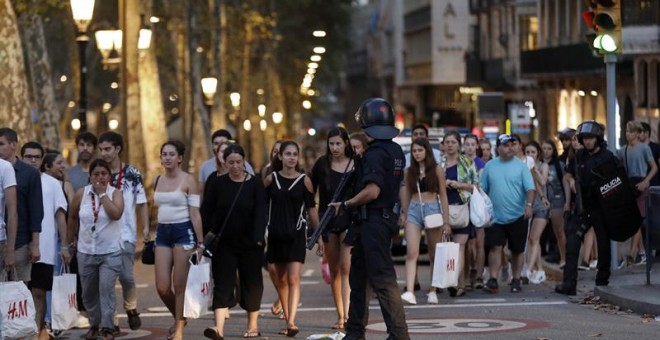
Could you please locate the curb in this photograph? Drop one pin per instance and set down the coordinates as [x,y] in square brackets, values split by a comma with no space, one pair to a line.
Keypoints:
[630,297]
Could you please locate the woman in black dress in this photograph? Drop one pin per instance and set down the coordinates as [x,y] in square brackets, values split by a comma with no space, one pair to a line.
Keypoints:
[240,246]
[290,193]
[326,175]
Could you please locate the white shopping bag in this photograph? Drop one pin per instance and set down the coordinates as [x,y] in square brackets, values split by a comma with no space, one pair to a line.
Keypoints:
[445,266]
[64,302]
[481,209]
[16,311]
[198,289]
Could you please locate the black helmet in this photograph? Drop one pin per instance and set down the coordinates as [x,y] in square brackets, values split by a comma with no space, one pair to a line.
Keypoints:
[591,128]
[566,134]
[376,118]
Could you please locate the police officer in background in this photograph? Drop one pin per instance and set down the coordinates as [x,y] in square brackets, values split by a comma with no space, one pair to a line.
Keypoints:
[379,174]
[580,179]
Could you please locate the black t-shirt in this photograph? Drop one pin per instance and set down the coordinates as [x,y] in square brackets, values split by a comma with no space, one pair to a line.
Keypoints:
[382,164]
[285,203]
[326,184]
[247,222]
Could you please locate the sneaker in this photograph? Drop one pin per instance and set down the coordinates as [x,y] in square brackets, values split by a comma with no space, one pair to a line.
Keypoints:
[583,266]
[409,298]
[432,298]
[533,277]
[83,321]
[640,259]
[516,287]
[92,333]
[492,286]
[134,321]
[620,263]
[540,276]
[593,264]
[479,284]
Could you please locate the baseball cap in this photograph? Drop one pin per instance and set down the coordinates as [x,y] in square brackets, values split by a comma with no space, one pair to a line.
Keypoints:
[503,139]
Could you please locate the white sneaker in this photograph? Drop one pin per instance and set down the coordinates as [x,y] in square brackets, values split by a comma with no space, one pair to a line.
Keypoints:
[593,264]
[533,277]
[83,321]
[540,276]
[432,298]
[409,298]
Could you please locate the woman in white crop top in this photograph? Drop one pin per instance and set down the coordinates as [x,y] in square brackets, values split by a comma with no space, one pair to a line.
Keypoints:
[176,193]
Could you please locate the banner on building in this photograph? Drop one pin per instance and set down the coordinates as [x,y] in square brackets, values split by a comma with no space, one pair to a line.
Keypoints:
[450,38]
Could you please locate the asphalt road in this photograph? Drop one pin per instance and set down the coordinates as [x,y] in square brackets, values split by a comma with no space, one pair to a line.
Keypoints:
[535,313]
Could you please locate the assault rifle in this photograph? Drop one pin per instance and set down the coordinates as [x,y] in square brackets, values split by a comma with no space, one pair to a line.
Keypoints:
[330,212]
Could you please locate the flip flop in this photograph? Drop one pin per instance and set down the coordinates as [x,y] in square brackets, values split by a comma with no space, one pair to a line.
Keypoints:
[338,325]
[292,331]
[283,331]
[252,334]
[276,311]
[213,334]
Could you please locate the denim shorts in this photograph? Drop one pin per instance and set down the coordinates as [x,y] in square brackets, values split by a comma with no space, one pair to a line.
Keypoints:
[415,212]
[176,234]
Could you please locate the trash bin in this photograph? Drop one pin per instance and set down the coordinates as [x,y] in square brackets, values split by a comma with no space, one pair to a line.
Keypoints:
[652,229]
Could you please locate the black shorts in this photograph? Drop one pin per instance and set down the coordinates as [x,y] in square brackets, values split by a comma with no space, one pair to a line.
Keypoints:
[42,276]
[515,233]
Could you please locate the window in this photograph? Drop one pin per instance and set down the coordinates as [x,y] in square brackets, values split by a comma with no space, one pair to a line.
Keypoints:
[640,12]
[529,29]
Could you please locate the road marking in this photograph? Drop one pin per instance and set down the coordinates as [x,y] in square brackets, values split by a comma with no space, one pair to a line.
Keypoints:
[376,307]
[309,282]
[308,273]
[462,325]
[139,285]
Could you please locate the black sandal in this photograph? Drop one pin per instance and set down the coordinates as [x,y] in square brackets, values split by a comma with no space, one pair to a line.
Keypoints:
[212,333]
[292,331]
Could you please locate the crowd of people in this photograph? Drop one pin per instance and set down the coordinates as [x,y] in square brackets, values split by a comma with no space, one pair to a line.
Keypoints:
[86,218]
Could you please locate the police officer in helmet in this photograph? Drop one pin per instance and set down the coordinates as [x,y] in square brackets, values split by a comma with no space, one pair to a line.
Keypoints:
[580,178]
[379,174]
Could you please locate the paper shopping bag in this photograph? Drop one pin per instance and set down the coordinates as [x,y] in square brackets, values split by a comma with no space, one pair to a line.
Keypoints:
[445,266]
[64,302]
[198,289]
[16,311]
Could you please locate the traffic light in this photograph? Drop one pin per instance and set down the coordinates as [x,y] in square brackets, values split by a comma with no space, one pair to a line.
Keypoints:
[607,26]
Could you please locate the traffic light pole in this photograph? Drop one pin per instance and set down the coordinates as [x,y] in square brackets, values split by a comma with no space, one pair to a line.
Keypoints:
[610,74]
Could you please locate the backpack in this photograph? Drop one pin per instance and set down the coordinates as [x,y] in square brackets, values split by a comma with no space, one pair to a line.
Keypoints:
[286,231]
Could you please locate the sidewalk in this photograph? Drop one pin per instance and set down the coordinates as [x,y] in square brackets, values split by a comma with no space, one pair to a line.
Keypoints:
[627,287]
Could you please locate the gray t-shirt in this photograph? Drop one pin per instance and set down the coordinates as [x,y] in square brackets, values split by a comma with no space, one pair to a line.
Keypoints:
[209,166]
[636,159]
[77,177]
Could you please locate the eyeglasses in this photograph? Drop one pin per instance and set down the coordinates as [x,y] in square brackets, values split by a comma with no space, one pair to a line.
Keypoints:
[32,157]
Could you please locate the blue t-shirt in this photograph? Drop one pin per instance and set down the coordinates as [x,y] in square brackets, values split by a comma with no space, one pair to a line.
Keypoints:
[507,183]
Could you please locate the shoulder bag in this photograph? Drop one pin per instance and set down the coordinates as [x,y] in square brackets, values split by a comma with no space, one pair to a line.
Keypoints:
[431,221]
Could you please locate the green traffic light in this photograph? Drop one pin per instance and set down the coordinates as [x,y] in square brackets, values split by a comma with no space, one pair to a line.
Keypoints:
[606,43]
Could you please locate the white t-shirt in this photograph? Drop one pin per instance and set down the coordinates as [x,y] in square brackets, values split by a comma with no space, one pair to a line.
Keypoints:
[132,188]
[105,237]
[7,180]
[529,161]
[54,200]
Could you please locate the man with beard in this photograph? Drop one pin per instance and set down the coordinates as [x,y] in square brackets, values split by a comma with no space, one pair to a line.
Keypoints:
[78,175]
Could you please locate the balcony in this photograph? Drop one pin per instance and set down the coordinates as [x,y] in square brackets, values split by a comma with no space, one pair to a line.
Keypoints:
[562,60]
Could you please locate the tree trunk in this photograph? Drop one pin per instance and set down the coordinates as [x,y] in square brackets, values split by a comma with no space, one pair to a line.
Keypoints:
[151,110]
[42,89]
[14,110]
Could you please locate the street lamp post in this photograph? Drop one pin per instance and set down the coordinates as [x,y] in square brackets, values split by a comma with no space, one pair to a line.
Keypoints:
[209,86]
[82,11]
[277,119]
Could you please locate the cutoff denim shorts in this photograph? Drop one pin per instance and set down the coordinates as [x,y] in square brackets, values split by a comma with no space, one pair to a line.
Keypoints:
[415,212]
[176,234]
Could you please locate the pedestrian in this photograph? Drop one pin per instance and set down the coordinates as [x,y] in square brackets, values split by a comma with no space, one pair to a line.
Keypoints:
[326,176]
[645,137]
[235,207]
[485,150]
[359,142]
[424,193]
[29,207]
[290,194]
[218,137]
[96,219]
[540,216]
[565,136]
[580,179]
[128,179]
[640,166]
[78,175]
[8,214]
[510,186]
[378,180]
[421,131]
[476,254]
[555,194]
[53,227]
[179,231]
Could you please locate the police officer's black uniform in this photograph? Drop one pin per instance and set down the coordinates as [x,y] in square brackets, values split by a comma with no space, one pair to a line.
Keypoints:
[586,212]
[371,263]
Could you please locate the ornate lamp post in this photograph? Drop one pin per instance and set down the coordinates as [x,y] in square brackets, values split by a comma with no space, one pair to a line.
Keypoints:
[209,86]
[82,11]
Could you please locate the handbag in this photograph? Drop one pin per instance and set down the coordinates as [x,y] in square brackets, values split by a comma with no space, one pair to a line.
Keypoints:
[198,287]
[431,221]
[64,301]
[17,310]
[481,209]
[148,255]
[445,265]
[459,216]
